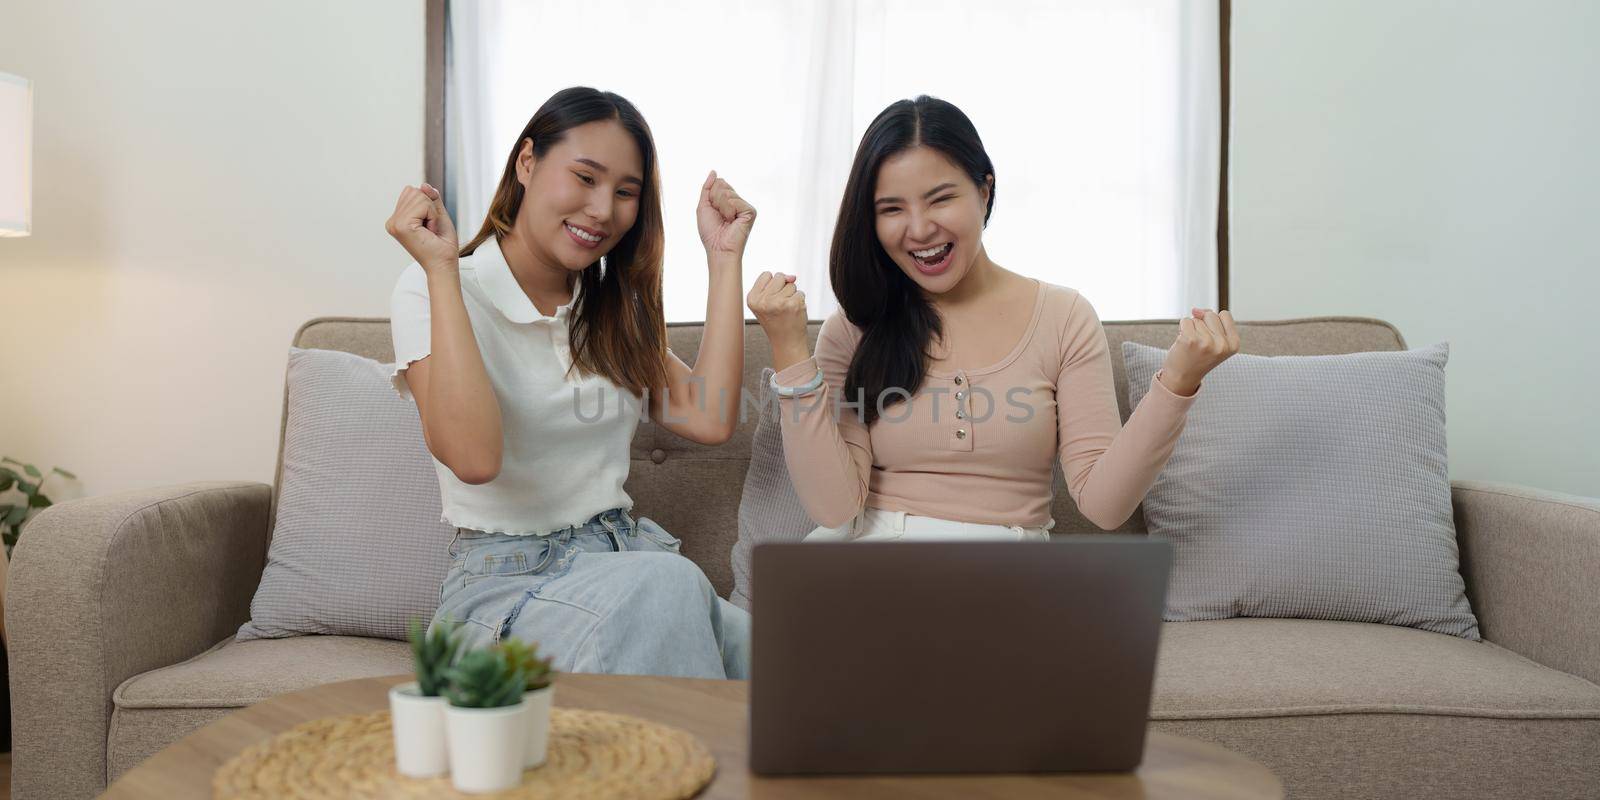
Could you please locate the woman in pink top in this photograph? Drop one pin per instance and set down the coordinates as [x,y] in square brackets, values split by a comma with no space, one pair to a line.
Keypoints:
[945,387]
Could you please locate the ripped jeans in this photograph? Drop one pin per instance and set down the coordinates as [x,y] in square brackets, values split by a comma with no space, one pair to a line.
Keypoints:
[611,595]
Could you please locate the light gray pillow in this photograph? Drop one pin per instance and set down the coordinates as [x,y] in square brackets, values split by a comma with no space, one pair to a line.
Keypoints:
[359,546]
[1313,487]
[769,509]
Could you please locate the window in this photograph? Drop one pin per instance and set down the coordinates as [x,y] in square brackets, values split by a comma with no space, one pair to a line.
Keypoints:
[1101,117]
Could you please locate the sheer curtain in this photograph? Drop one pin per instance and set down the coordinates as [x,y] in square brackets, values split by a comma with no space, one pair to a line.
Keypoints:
[1101,117]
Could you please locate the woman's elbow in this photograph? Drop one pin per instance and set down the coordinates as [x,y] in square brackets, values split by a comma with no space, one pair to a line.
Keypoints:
[1105,513]
[719,435]
[476,477]
[1105,519]
[712,433]
[834,515]
[476,471]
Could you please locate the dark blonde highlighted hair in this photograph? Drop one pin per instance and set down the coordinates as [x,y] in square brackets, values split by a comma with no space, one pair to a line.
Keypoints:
[618,328]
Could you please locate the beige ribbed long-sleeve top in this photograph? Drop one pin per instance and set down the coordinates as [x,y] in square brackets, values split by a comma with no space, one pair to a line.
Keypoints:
[977,444]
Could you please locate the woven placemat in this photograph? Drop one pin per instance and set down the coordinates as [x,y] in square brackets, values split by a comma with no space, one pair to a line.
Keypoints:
[593,754]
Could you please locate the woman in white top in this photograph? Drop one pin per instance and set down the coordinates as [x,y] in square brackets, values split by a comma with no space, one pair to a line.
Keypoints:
[530,352]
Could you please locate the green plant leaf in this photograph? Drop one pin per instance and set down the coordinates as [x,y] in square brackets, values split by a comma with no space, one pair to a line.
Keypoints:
[482,679]
[433,655]
[10,473]
[17,515]
[39,501]
[536,672]
[33,471]
[26,488]
[65,474]
[6,482]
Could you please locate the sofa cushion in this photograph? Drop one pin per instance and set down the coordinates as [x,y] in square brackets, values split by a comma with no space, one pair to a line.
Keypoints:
[1313,487]
[157,708]
[769,509]
[234,674]
[358,545]
[1349,709]
[1236,668]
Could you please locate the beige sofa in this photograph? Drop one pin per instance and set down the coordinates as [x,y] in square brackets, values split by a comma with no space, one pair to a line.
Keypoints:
[122,608]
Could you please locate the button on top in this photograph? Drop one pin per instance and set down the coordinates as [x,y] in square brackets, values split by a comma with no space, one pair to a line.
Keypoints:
[961,379]
[658,455]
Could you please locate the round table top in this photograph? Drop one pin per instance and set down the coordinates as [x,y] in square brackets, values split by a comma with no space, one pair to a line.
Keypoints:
[717,712]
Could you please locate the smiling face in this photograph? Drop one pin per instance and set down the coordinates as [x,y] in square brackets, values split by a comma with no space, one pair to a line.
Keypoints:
[582,196]
[929,217]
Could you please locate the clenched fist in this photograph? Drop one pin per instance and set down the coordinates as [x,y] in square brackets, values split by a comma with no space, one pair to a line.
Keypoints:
[421,225]
[780,307]
[1205,340]
[724,218]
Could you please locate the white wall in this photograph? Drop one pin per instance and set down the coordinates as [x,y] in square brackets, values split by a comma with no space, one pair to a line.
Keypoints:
[1435,164]
[208,175]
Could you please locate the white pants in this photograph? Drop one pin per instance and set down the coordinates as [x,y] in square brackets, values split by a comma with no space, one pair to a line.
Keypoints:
[875,524]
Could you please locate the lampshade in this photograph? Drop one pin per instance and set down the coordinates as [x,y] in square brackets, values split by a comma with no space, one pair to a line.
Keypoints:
[16,156]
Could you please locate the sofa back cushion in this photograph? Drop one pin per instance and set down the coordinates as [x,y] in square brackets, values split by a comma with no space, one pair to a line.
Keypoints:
[770,510]
[693,490]
[358,546]
[1312,487]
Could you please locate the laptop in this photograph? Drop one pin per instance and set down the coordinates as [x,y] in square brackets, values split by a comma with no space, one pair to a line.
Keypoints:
[952,657]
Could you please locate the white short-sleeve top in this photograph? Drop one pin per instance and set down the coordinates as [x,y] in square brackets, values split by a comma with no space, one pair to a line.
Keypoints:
[567,436]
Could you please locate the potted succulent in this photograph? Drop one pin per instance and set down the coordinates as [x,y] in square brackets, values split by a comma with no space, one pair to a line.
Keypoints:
[486,728]
[417,708]
[537,696]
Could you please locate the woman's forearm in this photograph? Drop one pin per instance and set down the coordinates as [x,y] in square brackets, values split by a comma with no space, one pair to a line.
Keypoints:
[828,451]
[719,366]
[788,352]
[462,416]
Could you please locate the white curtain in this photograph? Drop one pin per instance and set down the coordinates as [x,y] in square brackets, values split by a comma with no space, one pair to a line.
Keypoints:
[1101,117]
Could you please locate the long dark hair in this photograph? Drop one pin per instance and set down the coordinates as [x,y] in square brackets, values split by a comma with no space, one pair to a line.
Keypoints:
[896,320]
[618,328]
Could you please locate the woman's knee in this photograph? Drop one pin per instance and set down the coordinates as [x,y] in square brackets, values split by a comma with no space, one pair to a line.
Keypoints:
[668,585]
[671,574]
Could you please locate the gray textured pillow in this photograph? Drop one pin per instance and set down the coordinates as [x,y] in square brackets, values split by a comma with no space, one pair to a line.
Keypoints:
[1312,487]
[358,547]
[769,509]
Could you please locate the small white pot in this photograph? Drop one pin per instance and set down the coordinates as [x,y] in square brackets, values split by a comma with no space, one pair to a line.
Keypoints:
[487,746]
[419,746]
[536,706]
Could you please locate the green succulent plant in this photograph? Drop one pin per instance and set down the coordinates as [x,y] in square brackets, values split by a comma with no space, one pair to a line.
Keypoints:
[483,679]
[433,654]
[536,672]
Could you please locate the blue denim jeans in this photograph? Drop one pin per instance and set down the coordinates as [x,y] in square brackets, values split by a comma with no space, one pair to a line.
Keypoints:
[611,595]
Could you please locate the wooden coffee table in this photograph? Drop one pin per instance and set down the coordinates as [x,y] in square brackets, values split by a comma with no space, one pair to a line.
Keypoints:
[717,712]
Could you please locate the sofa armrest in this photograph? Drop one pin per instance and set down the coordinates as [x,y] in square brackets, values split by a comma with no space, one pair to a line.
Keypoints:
[105,588]
[1531,561]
